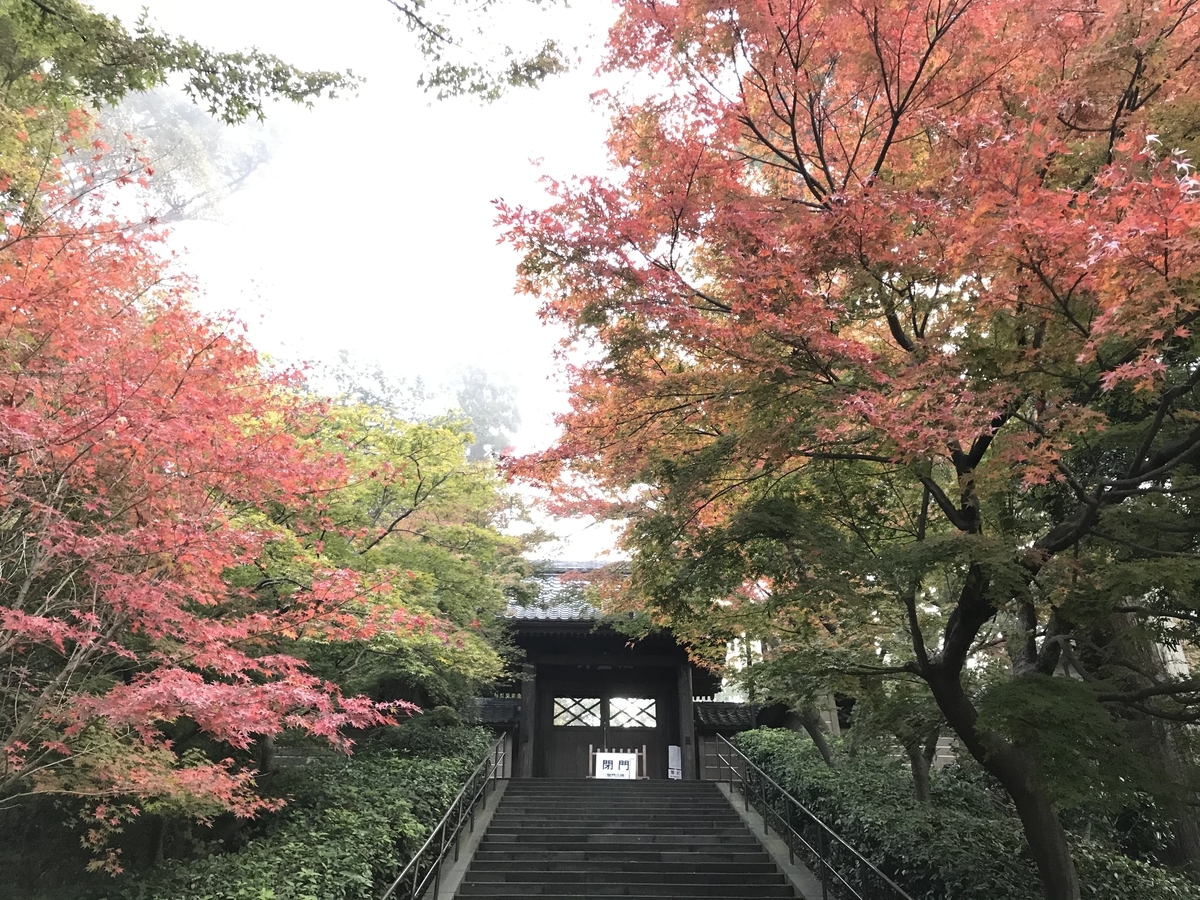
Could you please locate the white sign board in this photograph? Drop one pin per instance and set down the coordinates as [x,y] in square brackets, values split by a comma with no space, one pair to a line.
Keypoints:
[674,762]
[616,765]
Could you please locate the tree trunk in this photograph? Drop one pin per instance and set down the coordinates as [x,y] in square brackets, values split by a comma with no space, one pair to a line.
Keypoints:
[1160,742]
[1015,770]
[158,840]
[810,720]
[920,771]
[1044,833]
[267,763]
[1184,851]
[1047,841]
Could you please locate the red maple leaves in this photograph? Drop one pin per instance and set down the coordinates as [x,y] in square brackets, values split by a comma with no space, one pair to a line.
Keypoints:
[138,437]
[902,221]
[945,250]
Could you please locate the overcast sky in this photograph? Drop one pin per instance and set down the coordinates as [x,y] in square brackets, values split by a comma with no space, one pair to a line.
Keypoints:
[371,228]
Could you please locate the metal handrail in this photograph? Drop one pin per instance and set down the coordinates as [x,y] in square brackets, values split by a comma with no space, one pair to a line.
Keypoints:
[841,869]
[424,866]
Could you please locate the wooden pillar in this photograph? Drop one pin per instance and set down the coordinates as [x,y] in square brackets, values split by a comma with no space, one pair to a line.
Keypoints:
[528,721]
[687,723]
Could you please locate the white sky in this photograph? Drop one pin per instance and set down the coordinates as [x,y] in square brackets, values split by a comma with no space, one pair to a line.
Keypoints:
[371,228]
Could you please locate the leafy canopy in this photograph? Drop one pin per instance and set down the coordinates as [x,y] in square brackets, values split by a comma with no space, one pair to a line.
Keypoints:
[886,333]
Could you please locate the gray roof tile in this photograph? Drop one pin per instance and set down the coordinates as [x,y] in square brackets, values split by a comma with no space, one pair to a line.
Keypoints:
[560,599]
[721,716]
[496,711]
[569,611]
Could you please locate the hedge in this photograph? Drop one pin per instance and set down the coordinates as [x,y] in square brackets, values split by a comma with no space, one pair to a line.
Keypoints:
[966,844]
[350,825]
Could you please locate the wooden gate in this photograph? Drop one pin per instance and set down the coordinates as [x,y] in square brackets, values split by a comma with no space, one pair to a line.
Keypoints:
[574,720]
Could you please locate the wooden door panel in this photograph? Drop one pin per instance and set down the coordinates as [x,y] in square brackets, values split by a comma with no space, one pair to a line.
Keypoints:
[568,727]
[568,751]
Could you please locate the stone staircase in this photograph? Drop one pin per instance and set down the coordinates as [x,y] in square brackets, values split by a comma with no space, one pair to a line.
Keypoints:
[555,840]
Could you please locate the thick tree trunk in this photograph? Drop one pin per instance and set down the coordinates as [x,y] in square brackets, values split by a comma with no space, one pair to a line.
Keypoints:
[920,771]
[1184,850]
[267,763]
[1047,841]
[1015,770]
[811,721]
[158,840]
[1161,744]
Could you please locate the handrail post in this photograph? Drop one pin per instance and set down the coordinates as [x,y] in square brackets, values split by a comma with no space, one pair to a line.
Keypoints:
[746,786]
[762,792]
[471,814]
[791,835]
[441,849]
[823,843]
[458,831]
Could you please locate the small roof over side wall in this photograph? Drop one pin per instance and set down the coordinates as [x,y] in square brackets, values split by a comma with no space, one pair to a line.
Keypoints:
[723,718]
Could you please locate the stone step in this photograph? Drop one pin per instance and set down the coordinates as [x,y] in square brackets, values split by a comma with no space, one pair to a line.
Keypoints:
[523,853]
[622,826]
[581,839]
[749,893]
[630,809]
[618,889]
[616,789]
[633,836]
[602,810]
[648,817]
[588,876]
[672,842]
[735,867]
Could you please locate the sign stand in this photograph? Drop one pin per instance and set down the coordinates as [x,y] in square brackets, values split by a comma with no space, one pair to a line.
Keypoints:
[674,762]
[616,765]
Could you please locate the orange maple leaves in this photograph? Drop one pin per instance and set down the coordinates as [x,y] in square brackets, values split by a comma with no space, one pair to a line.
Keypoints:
[872,228]
[135,434]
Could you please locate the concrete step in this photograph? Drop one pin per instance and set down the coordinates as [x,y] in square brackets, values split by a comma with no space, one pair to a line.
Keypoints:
[701,867]
[620,813]
[620,889]
[749,893]
[706,829]
[600,813]
[523,853]
[581,839]
[588,876]
[616,843]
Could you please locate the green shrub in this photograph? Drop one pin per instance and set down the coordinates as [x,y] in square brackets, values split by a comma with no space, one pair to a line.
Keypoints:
[349,827]
[966,844]
[437,734]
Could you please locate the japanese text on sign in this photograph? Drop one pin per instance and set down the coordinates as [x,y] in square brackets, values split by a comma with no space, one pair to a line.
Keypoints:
[616,765]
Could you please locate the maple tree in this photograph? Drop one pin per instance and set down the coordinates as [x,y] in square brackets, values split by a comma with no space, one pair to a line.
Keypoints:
[416,512]
[481,66]
[197,554]
[58,57]
[887,325]
[140,441]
